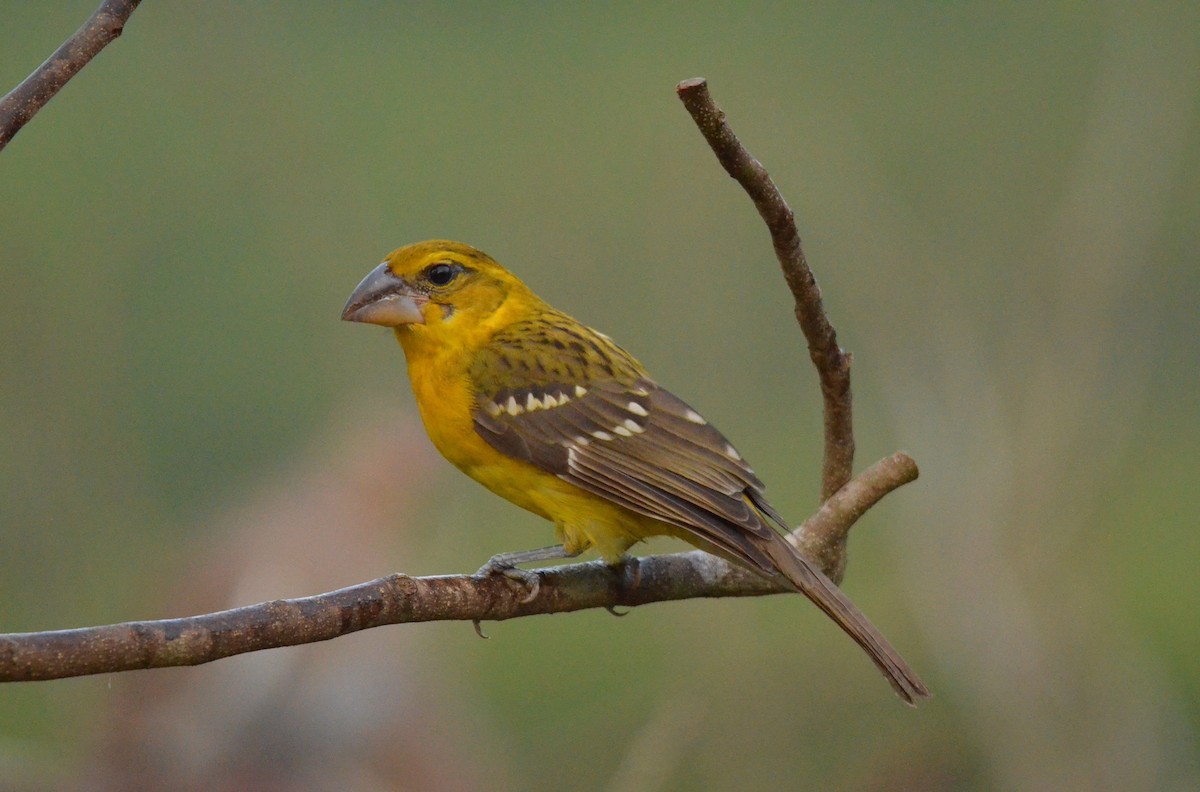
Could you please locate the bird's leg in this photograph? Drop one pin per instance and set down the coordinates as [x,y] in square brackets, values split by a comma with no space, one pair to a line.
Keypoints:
[506,564]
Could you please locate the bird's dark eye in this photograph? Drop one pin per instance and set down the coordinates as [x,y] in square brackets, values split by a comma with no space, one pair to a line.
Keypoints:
[440,274]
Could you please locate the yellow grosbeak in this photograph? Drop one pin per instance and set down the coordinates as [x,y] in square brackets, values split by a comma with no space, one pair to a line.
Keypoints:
[558,419]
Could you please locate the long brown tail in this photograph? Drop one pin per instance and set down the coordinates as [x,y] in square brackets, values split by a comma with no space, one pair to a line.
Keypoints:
[825,595]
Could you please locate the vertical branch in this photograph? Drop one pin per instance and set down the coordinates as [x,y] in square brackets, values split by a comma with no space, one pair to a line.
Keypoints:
[831,361]
[22,103]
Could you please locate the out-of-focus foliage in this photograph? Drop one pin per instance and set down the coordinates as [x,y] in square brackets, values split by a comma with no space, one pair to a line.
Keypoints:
[1000,203]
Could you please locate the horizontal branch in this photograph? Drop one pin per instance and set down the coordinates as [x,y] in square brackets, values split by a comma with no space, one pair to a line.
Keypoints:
[831,361]
[22,103]
[399,599]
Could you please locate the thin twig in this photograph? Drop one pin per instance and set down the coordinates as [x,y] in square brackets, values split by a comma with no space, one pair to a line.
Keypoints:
[831,361]
[399,599]
[23,102]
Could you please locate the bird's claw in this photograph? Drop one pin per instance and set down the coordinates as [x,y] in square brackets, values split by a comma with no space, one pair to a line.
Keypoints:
[628,566]
[478,628]
[530,579]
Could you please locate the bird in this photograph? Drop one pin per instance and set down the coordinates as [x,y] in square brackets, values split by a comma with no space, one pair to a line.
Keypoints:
[560,420]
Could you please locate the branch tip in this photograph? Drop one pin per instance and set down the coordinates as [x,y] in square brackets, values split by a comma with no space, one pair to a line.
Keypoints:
[691,84]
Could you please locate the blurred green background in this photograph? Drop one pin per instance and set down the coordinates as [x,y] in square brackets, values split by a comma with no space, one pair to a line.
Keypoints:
[1000,202]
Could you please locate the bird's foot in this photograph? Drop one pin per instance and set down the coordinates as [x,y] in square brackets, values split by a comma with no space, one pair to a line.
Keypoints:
[506,564]
[531,580]
[629,571]
[629,574]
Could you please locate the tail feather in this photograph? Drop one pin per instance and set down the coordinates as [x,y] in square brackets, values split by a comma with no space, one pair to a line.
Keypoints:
[811,582]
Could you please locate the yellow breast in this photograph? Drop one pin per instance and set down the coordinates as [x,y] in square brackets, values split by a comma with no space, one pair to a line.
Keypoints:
[446,401]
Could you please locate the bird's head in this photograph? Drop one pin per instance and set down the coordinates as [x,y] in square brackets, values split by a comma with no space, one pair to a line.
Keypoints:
[433,287]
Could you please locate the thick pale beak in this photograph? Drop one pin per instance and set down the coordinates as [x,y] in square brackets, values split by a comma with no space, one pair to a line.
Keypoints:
[383,299]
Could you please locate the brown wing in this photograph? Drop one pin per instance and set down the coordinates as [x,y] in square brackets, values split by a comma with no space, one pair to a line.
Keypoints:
[641,447]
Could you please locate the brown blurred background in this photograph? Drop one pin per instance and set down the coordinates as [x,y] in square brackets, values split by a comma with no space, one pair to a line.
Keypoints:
[1000,203]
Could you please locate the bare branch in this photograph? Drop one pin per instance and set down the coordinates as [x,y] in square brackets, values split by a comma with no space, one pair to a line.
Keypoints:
[399,599]
[23,102]
[831,361]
